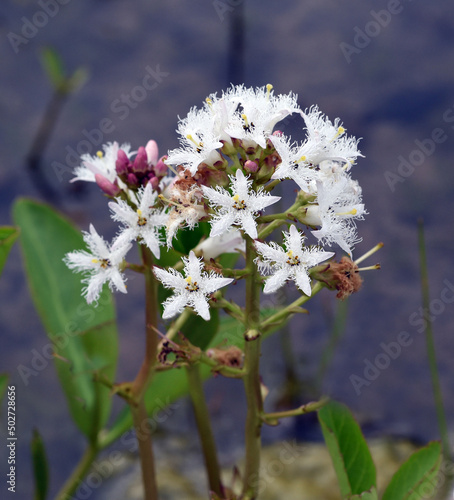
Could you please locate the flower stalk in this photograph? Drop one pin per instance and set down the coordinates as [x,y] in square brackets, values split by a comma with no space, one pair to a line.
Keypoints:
[204,428]
[251,378]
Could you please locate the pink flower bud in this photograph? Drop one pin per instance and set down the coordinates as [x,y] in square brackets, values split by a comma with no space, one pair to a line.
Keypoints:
[161,168]
[154,181]
[122,163]
[108,187]
[251,166]
[132,180]
[141,161]
[152,152]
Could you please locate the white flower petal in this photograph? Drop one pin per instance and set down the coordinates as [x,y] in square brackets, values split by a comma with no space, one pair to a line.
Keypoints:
[276,281]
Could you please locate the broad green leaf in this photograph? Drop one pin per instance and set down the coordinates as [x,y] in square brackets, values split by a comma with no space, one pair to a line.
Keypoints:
[53,66]
[8,235]
[84,337]
[189,238]
[348,449]
[4,377]
[168,386]
[40,466]
[201,332]
[415,478]
[367,495]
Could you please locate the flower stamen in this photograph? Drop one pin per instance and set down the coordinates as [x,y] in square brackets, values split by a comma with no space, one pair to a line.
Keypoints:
[191,285]
[238,204]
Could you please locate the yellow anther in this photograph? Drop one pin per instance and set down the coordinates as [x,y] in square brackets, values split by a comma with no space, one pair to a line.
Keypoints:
[198,145]
[245,119]
[353,211]
[192,285]
[293,260]
[209,101]
[94,261]
[139,212]
[236,197]
[99,154]
[269,88]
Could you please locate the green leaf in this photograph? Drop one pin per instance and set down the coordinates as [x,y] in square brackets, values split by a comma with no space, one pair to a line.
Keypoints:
[4,377]
[201,332]
[53,67]
[416,475]
[366,495]
[189,238]
[348,449]
[84,337]
[8,235]
[40,466]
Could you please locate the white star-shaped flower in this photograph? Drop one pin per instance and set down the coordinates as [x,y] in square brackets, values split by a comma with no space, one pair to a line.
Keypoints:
[102,163]
[193,290]
[239,208]
[329,139]
[101,262]
[259,113]
[292,263]
[199,139]
[337,206]
[142,223]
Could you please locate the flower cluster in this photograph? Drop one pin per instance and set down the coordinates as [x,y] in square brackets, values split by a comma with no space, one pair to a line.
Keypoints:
[229,160]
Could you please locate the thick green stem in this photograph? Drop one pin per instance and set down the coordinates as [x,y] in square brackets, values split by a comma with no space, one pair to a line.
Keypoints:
[205,432]
[252,377]
[139,386]
[151,321]
[143,436]
[72,483]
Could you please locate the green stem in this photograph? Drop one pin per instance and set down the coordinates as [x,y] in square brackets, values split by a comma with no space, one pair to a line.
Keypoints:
[143,436]
[72,483]
[139,386]
[430,345]
[252,377]
[204,428]
[273,418]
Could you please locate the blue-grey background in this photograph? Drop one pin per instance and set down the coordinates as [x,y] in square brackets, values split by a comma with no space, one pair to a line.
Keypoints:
[384,68]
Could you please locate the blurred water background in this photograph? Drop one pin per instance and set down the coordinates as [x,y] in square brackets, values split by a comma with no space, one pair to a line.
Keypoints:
[384,67]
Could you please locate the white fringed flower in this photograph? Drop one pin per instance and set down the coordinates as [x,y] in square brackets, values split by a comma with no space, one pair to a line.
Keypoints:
[101,163]
[102,263]
[326,152]
[193,290]
[337,207]
[259,112]
[199,139]
[141,224]
[239,208]
[329,139]
[292,263]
